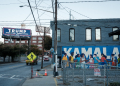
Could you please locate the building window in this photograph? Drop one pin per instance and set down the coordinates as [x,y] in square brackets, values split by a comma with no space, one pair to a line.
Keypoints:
[22,41]
[11,41]
[88,34]
[33,38]
[115,37]
[39,38]
[39,41]
[97,34]
[17,42]
[6,41]
[39,45]
[34,42]
[71,34]
[58,34]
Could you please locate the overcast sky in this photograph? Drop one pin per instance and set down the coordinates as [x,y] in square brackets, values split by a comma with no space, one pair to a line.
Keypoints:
[12,15]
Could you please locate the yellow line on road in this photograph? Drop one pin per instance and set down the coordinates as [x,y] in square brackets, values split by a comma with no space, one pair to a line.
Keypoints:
[55,81]
[15,66]
[39,74]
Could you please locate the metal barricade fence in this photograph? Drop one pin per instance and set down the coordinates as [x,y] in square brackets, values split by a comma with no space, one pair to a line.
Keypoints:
[113,75]
[78,74]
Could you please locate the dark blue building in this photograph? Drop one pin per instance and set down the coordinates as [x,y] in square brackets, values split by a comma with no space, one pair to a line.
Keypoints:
[89,36]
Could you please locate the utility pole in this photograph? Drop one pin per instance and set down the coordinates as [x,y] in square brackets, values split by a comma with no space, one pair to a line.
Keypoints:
[19,49]
[70,14]
[10,43]
[43,48]
[55,39]
[10,36]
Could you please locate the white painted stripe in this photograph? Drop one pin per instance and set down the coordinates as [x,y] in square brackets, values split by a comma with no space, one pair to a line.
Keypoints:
[12,76]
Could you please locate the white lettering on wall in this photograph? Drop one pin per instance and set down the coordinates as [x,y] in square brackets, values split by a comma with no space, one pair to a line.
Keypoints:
[67,52]
[24,31]
[17,31]
[97,51]
[9,30]
[104,51]
[13,30]
[116,51]
[88,52]
[21,31]
[76,51]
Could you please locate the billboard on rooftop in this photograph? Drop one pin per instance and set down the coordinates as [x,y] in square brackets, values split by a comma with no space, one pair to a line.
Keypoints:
[16,33]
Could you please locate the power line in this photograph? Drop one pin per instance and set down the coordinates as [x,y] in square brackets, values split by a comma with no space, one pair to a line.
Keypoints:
[19,25]
[26,20]
[42,13]
[66,10]
[53,8]
[22,2]
[37,12]
[40,3]
[10,4]
[30,13]
[78,13]
[89,1]
[33,15]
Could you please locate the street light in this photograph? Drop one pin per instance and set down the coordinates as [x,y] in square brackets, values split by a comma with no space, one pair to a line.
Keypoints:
[36,8]
[35,21]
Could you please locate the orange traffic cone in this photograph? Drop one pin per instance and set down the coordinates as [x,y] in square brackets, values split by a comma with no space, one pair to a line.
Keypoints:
[45,73]
[36,73]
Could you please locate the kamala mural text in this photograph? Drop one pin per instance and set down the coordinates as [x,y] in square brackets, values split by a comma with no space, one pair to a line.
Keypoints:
[87,50]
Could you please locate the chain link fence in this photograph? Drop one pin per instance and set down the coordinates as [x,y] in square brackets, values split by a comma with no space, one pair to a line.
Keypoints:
[78,74]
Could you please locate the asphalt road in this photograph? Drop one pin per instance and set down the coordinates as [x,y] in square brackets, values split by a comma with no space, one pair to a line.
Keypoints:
[14,74]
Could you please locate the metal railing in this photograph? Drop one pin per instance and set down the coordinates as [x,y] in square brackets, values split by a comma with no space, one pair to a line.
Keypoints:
[78,74]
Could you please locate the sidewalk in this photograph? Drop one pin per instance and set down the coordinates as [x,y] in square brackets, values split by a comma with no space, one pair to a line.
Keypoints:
[42,80]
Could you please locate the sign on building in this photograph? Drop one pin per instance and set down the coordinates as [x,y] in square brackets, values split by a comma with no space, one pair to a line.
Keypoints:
[16,33]
[87,50]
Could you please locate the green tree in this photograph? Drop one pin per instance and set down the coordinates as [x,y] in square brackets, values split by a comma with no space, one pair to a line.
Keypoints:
[14,51]
[23,49]
[48,43]
[4,50]
[35,50]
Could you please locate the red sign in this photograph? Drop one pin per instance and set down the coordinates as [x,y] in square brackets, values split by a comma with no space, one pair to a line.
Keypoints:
[97,72]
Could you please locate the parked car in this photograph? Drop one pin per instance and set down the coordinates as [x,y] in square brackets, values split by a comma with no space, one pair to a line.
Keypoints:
[46,59]
[45,56]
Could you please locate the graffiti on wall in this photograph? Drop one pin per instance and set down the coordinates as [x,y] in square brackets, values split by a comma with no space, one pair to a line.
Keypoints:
[87,50]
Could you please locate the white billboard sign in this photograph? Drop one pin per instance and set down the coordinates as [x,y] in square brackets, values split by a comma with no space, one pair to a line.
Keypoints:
[41,29]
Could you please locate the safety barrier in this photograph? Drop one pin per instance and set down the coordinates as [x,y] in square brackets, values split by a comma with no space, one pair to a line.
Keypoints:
[78,74]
